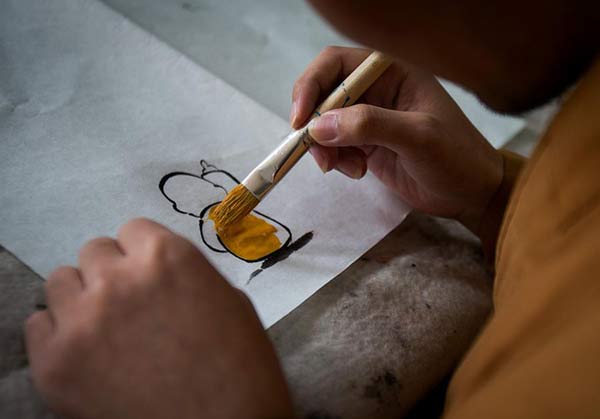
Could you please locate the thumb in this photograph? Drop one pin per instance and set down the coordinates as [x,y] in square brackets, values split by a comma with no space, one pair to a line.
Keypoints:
[367,125]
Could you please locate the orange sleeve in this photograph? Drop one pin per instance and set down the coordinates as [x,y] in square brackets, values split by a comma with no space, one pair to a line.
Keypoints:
[537,356]
[494,214]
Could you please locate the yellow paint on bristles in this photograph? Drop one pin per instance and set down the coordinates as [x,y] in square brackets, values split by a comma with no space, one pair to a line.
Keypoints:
[238,203]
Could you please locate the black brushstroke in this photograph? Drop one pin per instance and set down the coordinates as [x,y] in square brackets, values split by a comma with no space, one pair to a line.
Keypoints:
[285,252]
[286,249]
[282,254]
[253,275]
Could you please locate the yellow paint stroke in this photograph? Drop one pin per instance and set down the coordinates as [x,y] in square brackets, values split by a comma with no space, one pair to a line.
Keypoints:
[250,238]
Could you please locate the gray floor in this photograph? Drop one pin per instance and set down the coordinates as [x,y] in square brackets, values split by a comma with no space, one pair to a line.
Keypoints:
[378,337]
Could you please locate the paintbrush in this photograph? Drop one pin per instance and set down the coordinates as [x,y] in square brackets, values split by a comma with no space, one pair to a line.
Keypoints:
[242,199]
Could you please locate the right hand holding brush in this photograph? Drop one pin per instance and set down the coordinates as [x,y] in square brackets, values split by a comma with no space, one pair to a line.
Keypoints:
[407,131]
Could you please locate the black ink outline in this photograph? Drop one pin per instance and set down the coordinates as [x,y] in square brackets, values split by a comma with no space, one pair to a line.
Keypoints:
[282,253]
[283,245]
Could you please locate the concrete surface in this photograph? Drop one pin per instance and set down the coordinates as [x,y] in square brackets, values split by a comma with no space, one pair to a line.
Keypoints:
[374,340]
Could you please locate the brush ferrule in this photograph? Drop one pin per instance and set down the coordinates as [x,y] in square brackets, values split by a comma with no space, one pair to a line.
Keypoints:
[273,168]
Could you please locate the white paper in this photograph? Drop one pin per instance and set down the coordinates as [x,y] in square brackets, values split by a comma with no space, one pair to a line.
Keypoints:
[94,112]
[273,42]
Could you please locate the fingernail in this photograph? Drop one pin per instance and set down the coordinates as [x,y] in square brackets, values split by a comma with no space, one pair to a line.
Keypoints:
[293,113]
[320,160]
[351,172]
[324,128]
[323,167]
[354,170]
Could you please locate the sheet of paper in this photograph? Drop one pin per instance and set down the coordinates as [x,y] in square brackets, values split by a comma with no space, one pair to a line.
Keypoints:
[95,112]
[273,41]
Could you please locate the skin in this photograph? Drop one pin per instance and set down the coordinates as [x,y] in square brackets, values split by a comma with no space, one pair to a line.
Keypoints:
[144,324]
[408,132]
[513,54]
[146,328]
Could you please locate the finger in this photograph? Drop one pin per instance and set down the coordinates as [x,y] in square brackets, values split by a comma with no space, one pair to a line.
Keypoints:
[325,157]
[320,78]
[245,299]
[38,331]
[96,255]
[137,234]
[406,133]
[367,149]
[62,288]
[352,162]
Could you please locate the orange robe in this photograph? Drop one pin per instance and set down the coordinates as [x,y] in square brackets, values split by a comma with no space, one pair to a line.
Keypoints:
[539,354]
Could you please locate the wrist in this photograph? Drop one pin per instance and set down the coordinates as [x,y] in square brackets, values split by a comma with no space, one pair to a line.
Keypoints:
[473,216]
[488,223]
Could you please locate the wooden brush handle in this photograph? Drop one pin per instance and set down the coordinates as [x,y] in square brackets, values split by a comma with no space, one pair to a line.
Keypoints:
[356,83]
[281,160]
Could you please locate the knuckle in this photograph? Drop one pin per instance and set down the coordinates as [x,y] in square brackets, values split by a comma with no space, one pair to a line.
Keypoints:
[97,242]
[428,129]
[91,247]
[105,290]
[138,222]
[429,125]
[332,50]
[103,273]
[158,244]
[166,248]
[106,271]
[135,224]
[363,120]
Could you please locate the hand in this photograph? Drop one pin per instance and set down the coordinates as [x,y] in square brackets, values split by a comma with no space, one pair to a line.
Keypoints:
[408,131]
[146,328]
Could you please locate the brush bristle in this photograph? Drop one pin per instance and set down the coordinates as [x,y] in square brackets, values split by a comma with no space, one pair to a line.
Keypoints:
[238,203]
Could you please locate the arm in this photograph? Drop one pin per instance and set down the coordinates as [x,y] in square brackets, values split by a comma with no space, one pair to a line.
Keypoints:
[491,220]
